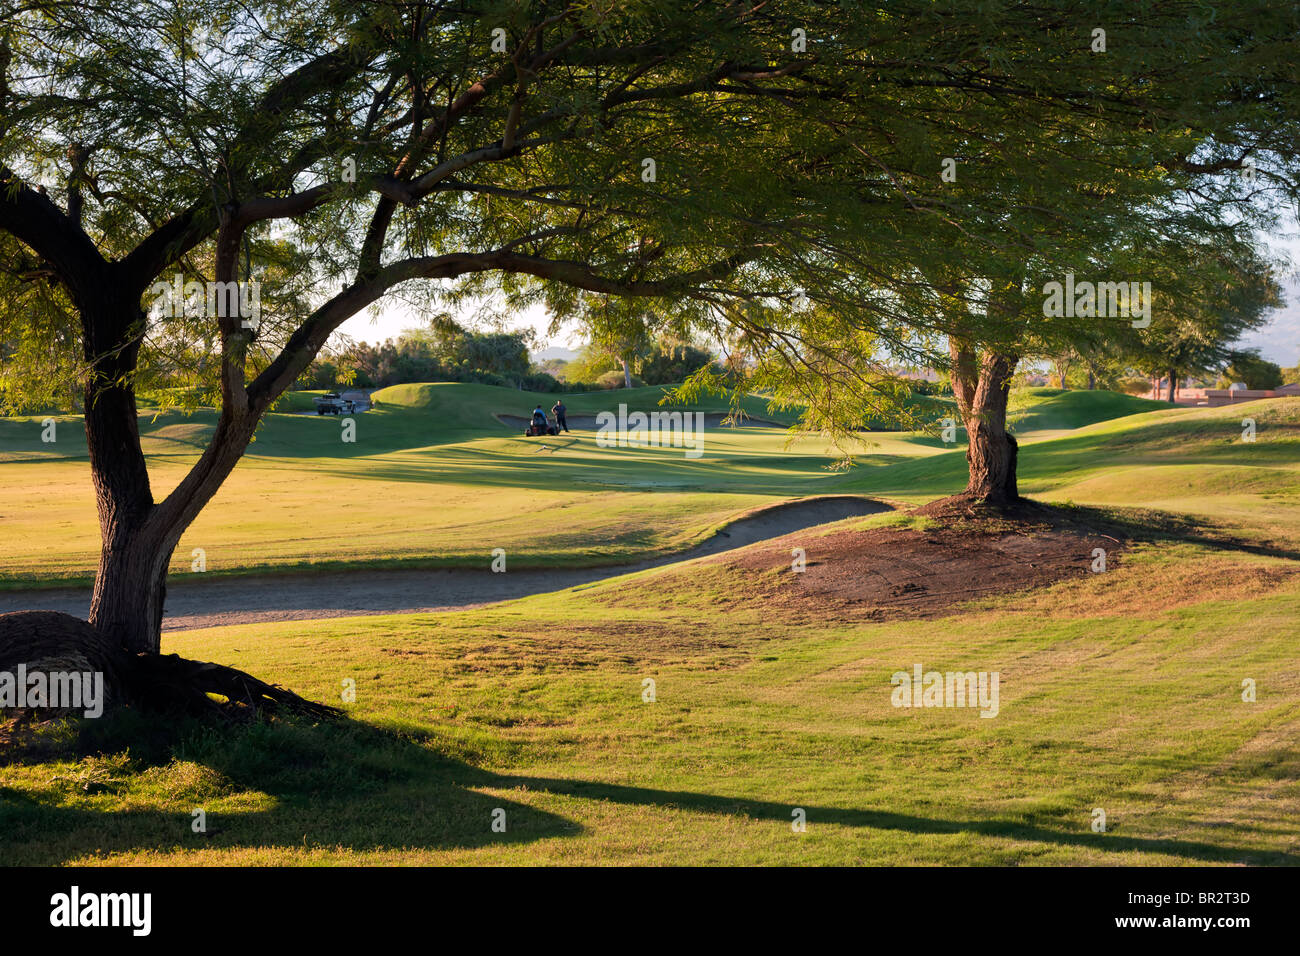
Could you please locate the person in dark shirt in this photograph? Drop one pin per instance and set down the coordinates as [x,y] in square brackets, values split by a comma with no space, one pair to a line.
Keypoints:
[559,411]
[541,425]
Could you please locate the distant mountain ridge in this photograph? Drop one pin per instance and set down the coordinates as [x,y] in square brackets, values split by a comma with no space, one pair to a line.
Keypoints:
[555,352]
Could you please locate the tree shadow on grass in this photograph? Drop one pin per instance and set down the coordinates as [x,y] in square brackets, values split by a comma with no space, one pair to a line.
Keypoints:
[1187,851]
[353,787]
[263,786]
[1153,525]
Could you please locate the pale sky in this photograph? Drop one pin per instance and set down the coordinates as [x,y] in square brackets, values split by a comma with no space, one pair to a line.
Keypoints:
[397,317]
[1279,341]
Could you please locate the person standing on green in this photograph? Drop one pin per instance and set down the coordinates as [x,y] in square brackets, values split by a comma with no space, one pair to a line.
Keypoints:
[558,411]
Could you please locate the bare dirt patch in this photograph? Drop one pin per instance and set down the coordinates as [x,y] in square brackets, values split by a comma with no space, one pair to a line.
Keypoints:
[888,573]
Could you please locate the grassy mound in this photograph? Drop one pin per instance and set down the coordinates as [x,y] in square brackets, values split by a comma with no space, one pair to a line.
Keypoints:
[1054,409]
[1128,455]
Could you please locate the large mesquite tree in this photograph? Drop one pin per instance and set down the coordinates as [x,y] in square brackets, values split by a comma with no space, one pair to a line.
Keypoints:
[725,161]
[1160,154]
[369,145]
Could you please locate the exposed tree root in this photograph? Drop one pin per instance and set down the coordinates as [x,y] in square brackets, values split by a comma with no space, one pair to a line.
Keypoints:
[969,507]
[48,641]
[1024,512]
[174,684]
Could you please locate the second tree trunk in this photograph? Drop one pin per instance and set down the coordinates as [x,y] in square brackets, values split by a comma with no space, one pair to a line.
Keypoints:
[982,388]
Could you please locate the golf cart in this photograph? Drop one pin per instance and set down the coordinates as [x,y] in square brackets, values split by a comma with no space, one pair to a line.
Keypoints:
[537,428]
[332,403]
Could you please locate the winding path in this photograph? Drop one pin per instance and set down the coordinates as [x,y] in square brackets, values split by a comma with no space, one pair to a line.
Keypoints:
[256,598]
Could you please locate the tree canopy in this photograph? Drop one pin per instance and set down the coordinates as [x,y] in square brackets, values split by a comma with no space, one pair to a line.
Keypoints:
[828,181]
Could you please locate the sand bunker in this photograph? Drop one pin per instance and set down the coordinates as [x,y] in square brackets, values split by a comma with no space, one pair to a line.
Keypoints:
[289,597]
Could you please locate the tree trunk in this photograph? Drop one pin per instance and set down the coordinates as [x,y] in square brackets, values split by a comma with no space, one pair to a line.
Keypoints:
[1062,371]
[138,536]
[131,587]
[1173,387]
[982,391]
[126,606]
[627,374]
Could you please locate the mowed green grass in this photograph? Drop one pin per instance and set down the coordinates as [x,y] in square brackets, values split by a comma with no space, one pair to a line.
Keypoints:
[433,479]
[1197,462]
[1120,692]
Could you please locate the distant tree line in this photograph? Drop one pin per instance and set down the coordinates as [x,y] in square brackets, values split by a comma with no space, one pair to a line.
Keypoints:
[655,363]
[446,351]
[1253,371]
[1217,366]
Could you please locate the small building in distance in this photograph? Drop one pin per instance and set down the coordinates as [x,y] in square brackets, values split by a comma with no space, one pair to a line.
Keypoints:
[1238,392]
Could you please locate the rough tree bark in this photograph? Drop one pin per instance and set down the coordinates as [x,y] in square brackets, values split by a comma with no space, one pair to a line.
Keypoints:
[138,536]
[126,605]
[982,387]
[1173,387]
